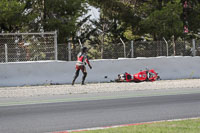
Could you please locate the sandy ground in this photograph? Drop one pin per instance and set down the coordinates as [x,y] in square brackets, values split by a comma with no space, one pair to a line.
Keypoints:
[28,91]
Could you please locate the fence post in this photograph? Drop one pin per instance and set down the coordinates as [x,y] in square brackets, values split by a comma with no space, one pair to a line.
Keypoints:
[174,45]
[132,49]
[124,47]
[6,53]
[167,45]
[194,47]
[69,50]
[56,45]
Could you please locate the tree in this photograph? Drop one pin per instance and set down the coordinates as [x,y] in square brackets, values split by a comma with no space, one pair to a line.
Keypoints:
[114,19]
[105,37]
[165,22]
[11,15]
[42,15]
[60,15]
[193,16]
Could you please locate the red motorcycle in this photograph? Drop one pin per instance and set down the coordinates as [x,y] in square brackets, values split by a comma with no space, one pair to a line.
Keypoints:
[145,75]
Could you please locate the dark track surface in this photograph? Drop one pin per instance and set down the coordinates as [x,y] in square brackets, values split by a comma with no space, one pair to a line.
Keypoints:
[39,118]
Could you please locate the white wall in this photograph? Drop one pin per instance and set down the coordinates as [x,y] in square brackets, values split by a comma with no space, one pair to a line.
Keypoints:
[35,73]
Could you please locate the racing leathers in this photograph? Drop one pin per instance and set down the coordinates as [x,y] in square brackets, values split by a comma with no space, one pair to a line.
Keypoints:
[82,60]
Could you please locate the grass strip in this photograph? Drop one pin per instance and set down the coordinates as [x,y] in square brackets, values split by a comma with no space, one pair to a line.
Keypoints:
[182,126]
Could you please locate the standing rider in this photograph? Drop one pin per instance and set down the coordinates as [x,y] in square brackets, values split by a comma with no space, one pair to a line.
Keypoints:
[82,59]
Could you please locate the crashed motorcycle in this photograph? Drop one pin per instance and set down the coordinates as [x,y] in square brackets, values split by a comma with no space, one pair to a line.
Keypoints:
[145,75]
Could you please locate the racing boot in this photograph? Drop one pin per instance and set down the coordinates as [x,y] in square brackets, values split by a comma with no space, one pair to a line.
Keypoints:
[83,79]
[75,77]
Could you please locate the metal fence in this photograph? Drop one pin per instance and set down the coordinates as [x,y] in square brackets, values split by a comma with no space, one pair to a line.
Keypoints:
[133,49]
[15,47]
[197,48]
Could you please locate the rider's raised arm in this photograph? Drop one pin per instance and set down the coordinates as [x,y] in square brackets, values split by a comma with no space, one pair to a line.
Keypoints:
[88,62]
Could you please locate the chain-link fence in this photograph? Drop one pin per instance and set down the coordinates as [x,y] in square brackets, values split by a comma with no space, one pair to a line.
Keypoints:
[162,48]
[149,49]
[197,48]
[68,52]
[43,46]
[133,49]
[15,47]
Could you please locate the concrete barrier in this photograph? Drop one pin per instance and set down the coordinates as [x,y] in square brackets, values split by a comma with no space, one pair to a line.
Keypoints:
[61,72]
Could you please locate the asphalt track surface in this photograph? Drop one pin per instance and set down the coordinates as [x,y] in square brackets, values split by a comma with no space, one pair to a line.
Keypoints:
[86,112]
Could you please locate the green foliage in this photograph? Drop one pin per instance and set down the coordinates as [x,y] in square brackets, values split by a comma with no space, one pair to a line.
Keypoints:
[125,14]
[63,16]
[42,15]
[194,16]
[184,126]
[128,34]
[160,18]
[11,15]
[126,19]
[164,22]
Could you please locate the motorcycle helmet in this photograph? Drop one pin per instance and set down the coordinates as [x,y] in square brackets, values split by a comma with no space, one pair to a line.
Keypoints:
[84,49]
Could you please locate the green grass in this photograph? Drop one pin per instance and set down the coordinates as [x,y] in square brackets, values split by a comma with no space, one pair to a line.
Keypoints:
[184,126]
